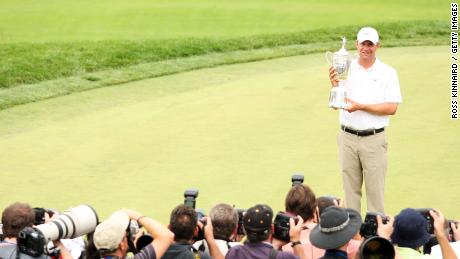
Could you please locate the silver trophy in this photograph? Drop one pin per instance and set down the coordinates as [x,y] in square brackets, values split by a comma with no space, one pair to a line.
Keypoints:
[340,60]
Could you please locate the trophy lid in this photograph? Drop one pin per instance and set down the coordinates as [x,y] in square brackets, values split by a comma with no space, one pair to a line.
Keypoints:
[342,50]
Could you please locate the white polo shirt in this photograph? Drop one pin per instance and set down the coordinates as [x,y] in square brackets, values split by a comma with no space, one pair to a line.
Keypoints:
[378,84]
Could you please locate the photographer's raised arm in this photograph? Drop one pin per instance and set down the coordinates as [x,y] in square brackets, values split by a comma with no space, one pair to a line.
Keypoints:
[439,221]
[162,237]
[214,250]
[294,234]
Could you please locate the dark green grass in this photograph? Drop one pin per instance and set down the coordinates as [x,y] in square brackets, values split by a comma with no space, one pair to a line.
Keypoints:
[30,63]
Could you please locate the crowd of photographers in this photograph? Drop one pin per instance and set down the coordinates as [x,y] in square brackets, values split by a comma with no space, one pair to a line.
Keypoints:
[310,227]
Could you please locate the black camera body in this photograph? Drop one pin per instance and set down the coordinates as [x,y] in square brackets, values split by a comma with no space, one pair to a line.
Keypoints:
[240,229]
[297,179]
[282,226]
[31,241]
[430,222]
[370,225]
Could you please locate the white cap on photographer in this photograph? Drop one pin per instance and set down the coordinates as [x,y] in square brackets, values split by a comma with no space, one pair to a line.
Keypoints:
[109,234]
[368,33]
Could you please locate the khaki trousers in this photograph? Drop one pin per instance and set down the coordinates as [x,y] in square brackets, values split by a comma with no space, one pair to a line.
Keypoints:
[363,158]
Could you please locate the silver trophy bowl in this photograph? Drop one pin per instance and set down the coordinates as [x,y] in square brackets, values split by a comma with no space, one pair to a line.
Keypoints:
[341,61]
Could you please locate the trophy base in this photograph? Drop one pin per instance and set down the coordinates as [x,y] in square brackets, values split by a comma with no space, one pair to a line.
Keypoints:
[337,98]
[338,105]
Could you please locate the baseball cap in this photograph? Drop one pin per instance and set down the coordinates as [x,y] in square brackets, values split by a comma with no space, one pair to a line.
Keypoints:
[258,218]
[368,33]
[109,234]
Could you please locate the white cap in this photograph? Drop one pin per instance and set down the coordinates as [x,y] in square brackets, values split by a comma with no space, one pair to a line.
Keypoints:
[368,33]
[109,234]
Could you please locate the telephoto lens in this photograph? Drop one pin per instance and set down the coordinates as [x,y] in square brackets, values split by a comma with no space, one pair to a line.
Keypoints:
[72,223]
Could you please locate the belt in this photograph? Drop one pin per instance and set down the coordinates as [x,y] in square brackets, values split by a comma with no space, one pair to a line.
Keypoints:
[362,133]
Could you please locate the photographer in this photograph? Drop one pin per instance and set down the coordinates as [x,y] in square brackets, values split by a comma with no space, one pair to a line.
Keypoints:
[410,233]
[260,244]
[225,223]
[301,201]
[185,226]
[75,246]
[16,217]
[337,226]
[112,236]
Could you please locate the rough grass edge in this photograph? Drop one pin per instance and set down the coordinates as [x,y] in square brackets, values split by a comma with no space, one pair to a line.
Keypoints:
[53,88]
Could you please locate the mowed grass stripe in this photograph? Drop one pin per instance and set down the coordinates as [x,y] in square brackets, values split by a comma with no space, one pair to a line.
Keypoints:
[235,132]
[26,63]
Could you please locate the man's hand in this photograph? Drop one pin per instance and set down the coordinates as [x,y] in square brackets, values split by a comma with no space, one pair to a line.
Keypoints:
[439,221]
[209,236]
[456,231]
[333,76]
[352,106]
[384,230]
[295,229]
[208,229]
[132,214]
[377,108]
[294,235]
[65,254]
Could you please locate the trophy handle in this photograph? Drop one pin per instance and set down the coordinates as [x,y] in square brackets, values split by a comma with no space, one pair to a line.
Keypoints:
[329,57]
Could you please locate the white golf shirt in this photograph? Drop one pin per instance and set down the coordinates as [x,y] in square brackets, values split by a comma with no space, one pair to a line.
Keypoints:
[378,84]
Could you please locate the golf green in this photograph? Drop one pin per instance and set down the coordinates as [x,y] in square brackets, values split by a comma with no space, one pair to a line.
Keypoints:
[237,133]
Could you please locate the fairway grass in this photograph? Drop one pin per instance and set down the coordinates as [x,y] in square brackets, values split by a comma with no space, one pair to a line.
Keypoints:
[235,132]
[87,20]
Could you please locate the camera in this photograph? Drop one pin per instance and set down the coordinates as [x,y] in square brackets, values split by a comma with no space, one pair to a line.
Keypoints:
[282,226]
[297,179]
[190,196]
[369,226]
[240,229]
[72,223]
[426,214]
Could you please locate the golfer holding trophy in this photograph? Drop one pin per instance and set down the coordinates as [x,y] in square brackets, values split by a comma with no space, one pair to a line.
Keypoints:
[366,91]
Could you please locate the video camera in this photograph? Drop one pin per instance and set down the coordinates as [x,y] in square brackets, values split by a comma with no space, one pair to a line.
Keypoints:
[190,196]
[282,226]
[369,226]
[297,179]
[72,223]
